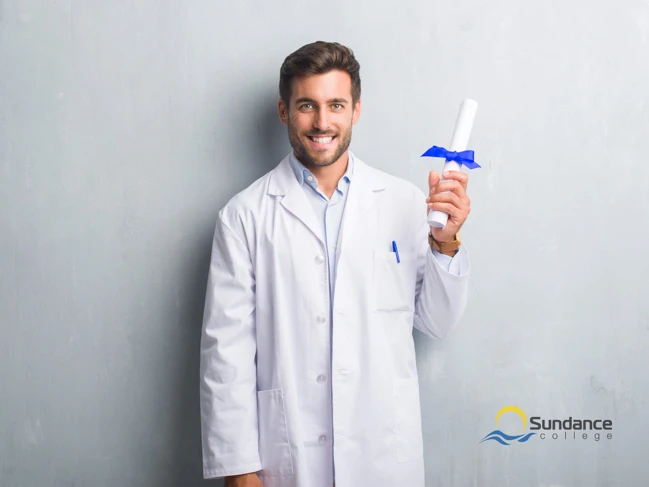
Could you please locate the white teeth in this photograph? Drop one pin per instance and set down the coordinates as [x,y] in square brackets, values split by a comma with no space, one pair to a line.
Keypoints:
[322,140]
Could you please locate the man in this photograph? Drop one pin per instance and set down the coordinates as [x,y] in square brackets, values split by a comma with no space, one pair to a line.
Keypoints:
[319,271]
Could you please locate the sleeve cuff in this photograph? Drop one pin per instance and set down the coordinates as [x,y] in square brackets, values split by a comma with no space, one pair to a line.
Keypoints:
[216,473]
[456,265]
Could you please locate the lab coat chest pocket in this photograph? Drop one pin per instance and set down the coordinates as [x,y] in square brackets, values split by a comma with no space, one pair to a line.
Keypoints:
[274,447]
[394,282]
[410,444]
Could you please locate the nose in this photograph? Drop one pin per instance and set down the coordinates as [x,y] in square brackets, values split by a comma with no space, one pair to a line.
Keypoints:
[321,119]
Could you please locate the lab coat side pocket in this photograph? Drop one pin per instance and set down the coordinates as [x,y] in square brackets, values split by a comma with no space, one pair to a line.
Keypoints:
[274,446]
[410,444]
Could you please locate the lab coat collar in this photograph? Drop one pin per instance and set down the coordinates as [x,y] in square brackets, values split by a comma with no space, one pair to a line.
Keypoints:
[368,183]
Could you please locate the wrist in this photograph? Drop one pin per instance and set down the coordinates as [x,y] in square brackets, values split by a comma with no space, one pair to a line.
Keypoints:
[449,248]
[242,480]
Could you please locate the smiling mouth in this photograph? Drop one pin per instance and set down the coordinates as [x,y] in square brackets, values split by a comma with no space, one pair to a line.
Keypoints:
[321,141]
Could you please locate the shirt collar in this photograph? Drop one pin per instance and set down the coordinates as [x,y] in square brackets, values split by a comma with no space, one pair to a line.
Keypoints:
[302,173]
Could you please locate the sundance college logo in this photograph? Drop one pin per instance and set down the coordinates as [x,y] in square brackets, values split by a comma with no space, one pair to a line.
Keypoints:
[552,428]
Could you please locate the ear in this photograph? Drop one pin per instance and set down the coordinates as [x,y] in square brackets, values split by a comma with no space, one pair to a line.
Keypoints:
[282,110]
[357,112]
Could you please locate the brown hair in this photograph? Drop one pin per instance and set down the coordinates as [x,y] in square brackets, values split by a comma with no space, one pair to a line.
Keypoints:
[318,58]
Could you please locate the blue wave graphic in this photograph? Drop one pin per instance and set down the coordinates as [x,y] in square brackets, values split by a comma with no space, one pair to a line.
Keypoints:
[526,437]
[503,438]
[496,439]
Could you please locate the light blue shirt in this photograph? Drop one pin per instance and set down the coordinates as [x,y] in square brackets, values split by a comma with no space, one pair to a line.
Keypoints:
[329,214]
[328,211]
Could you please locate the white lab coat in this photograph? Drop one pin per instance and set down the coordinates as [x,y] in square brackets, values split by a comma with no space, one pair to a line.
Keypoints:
[281,392]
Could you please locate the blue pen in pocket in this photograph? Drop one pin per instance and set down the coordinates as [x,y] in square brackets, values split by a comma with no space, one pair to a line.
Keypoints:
[396,251]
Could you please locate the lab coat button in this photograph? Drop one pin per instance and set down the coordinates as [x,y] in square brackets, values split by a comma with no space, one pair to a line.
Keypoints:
[321,378]
[323,439]
[321,319]
[319,259]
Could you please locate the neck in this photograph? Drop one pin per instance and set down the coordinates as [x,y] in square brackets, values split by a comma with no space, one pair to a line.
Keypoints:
[328,176]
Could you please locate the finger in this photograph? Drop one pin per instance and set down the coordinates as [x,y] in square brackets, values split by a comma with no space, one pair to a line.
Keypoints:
[433,180]
[444,186]
[463,204]
[450,197]
[455,188]
[459,176]
[451,210]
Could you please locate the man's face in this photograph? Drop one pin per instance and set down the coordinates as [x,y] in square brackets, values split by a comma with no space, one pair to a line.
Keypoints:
[320,116]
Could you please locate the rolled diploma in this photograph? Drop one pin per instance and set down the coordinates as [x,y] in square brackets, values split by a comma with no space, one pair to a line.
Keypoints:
[459,142]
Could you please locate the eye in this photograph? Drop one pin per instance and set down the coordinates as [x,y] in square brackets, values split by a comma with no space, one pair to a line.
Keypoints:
[337,106]
[305,105]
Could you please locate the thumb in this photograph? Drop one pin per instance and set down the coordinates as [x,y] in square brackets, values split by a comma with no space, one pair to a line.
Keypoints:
[433,179]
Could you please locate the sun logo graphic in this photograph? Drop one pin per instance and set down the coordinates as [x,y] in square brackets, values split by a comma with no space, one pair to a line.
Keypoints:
[501,437]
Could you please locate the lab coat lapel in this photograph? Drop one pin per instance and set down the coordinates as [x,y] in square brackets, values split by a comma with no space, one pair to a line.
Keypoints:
[284,183]
[364,192]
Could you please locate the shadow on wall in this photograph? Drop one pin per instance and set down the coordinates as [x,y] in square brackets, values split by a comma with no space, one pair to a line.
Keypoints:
[255,139]
[268,145]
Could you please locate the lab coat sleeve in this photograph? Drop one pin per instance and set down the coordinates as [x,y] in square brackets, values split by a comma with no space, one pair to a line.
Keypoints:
[448,263]
[228,386]
[442,287]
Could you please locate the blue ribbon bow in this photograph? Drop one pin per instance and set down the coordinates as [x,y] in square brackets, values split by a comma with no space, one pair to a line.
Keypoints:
[464,158]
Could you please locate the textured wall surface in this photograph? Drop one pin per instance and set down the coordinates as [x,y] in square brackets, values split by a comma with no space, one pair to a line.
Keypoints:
[126,125]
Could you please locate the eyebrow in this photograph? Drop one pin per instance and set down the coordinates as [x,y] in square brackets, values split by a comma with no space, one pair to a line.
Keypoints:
[310,100]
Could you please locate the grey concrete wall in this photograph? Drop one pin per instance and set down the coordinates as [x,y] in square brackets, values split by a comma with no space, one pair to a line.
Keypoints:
[126,125]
